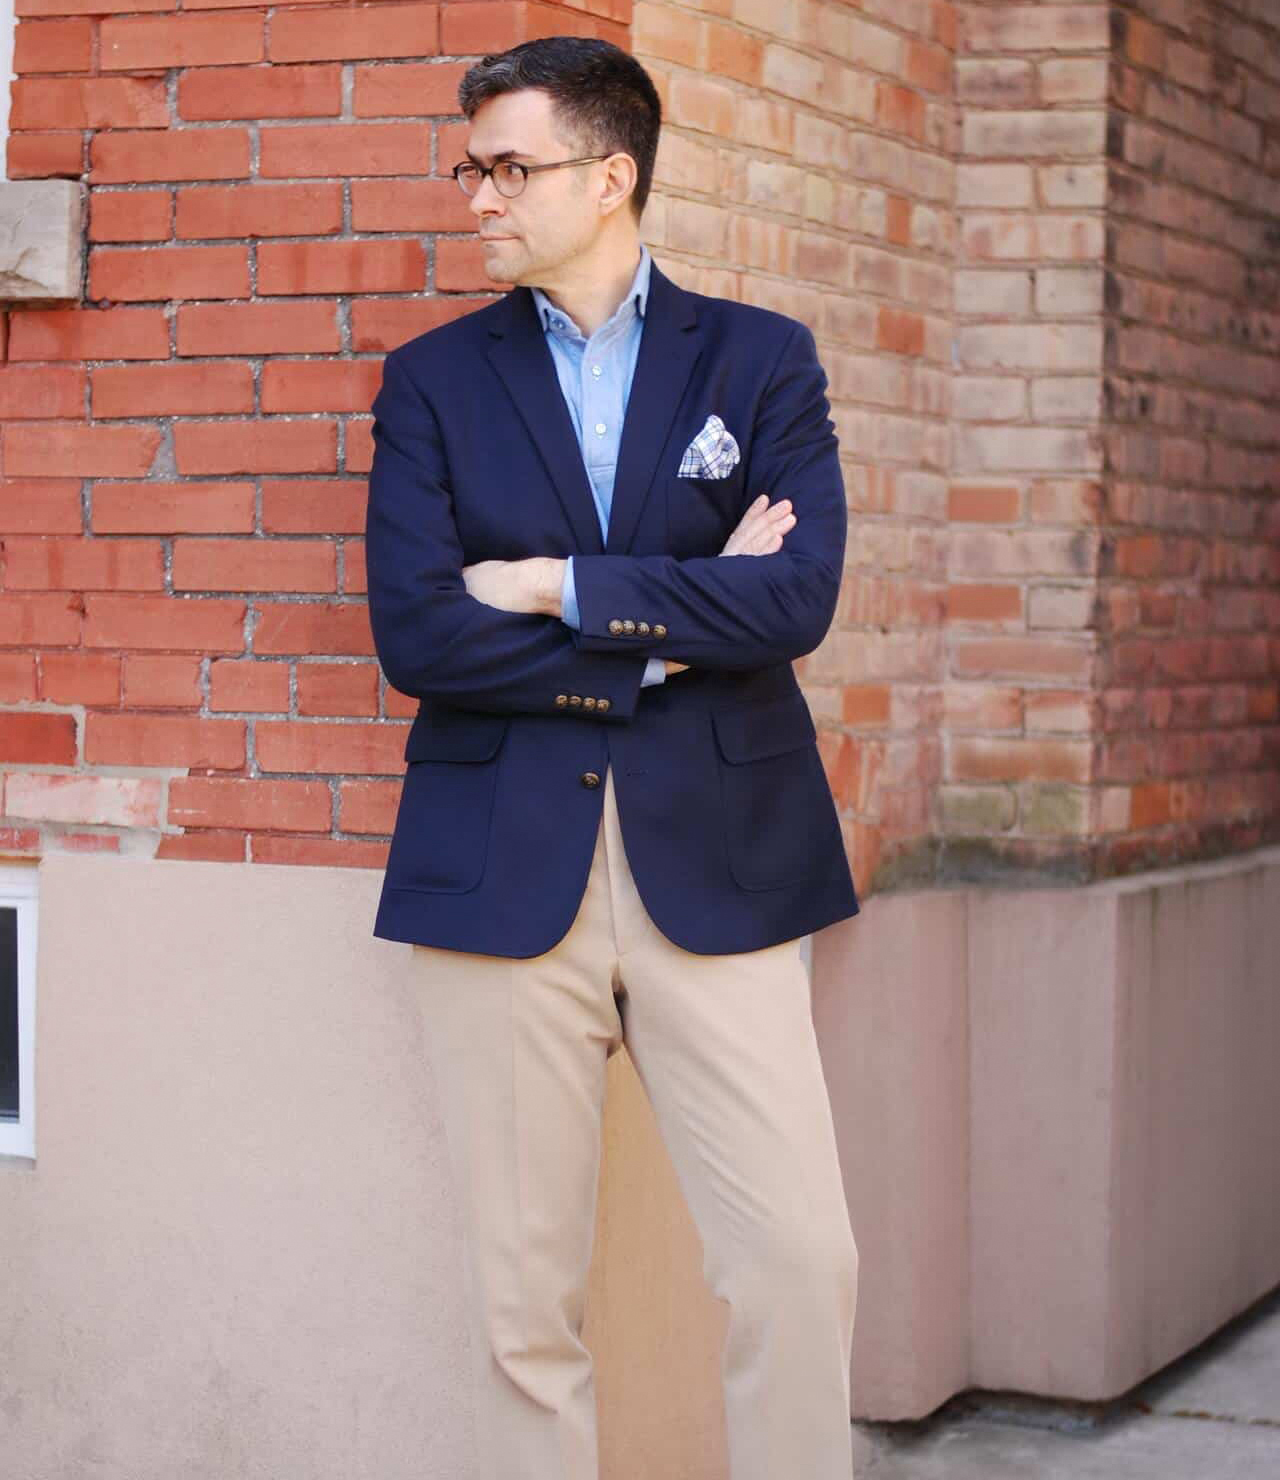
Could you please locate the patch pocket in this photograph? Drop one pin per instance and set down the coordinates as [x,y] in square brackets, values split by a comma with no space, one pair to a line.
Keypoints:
[777,804]
[441,840]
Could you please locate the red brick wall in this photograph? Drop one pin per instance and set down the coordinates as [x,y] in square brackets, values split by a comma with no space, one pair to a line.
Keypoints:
[1189,746]
[186,667]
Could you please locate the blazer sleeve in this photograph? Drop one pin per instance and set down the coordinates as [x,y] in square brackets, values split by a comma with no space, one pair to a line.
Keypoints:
[741,611]
[432,637]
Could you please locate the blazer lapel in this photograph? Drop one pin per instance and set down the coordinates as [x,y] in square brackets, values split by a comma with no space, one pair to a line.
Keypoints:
[669,348]
[520,355]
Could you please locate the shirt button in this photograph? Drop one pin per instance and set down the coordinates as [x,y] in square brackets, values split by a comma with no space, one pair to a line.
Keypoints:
[597,371]
[601,429]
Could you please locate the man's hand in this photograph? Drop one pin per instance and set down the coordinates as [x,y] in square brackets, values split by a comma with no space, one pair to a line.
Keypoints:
[517,585]
[761,528]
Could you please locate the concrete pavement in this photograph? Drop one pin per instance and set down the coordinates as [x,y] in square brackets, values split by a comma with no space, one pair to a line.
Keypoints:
[1214,1412]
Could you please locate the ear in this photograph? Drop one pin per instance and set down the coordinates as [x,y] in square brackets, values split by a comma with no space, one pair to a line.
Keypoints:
[620,176]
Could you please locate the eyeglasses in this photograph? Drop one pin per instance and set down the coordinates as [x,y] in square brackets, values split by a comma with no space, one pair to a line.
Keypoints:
[509,177]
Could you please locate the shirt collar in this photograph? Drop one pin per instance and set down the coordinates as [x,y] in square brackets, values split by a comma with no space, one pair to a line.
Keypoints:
[636,300]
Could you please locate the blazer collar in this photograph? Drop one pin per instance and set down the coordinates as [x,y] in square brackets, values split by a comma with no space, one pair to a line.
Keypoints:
[669,349]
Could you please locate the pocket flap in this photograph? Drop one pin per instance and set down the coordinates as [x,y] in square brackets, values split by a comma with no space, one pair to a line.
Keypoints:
[462,737]
[750,732]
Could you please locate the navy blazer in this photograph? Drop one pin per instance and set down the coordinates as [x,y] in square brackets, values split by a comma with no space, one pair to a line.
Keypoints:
[728,822]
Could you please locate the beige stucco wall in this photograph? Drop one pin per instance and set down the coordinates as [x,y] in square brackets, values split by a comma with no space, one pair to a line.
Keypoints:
[235,1254]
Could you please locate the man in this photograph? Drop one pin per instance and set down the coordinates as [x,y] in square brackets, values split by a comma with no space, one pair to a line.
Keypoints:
[604,516]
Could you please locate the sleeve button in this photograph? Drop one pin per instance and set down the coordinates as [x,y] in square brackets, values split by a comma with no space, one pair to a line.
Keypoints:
[659,630]
[642,628]
[628,626]
[615,627]
[588,702]
[575,701]
[602,705]
[561,700]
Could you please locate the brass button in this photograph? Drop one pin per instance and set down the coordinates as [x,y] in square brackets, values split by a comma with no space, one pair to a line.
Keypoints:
[659,630]
[575,701]
[602,705]
[561,700]
[642,628]
[628,626]
[590,779]
[588,702]
[615,627]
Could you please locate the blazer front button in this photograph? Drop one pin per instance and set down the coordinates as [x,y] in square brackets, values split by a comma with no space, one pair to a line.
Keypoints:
[615,628]
[659,630]
[628,626]
[590,779]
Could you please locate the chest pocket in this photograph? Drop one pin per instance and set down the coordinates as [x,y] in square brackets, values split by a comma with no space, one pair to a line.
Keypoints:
[703,512]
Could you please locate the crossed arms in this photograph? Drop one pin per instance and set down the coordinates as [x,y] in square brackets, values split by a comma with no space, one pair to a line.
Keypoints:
[488,636]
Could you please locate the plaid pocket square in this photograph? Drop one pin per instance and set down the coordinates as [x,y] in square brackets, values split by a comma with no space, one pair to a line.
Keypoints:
[713,453]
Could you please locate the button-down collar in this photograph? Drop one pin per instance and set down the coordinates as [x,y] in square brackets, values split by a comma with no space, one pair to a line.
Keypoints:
[555,321]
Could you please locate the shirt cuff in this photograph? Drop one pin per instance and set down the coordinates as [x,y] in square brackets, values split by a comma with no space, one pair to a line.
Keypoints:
[655,671]
[569,598]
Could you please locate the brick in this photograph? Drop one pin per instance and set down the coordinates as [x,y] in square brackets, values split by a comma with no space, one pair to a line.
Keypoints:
[1033,27]
[359,453]
[355,575]
[44,563]
[210,847]
[703,104]
[312,627]
[338,688]
[174,389]
[409,205]
[342,267]
[345,149]
[258,328]
[206,211]
[40,506]
[319,506]
[979,758]
[164,623]
[982,603]
[311,385]
[133,156]
[173,508]
[80,678]
[900,110]
[38,739]
[1056,810]
[401,30]
[249,685]
[988,503]
[51,448]
[1057,709]
[405,88]
[148,273]
[1032,133]
[282,806]
[30,392]
[53,46]
[666,34]
[130,215]
[90,102]
[460,266]
[101,801]
[866,706]
[168,740]
[342,748]
[154,43]
[161,681]
[272,446]
[384,324]
[18,678]
[37,156]
[323,852]
[975,810]
[734,53]
[1063,607]
[216,94]
[253,565]
[1031,657]
[20,840]
[1036,552]
[89,334]
[368,806]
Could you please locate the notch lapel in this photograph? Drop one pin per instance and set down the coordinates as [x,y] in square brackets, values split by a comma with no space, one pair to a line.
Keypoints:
[669,348]
[521,357]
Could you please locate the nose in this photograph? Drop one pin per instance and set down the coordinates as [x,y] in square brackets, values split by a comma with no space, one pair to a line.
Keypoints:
[486,201]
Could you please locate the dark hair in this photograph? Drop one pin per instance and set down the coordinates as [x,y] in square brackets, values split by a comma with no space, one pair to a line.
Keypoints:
[600,94]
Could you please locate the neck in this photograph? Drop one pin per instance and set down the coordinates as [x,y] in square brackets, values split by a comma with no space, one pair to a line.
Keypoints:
[590,289]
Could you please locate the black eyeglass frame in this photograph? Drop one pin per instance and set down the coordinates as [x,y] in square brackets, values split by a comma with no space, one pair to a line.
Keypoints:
[486,171]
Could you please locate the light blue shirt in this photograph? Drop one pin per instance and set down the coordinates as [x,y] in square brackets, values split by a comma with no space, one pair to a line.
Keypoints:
[595,377]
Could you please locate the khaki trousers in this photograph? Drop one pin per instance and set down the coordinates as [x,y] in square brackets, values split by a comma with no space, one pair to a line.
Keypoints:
[725,1049]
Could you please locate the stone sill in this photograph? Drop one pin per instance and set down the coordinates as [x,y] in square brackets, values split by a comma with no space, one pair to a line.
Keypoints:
[41,240]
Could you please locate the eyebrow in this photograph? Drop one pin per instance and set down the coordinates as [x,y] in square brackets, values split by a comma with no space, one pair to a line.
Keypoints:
[501,155]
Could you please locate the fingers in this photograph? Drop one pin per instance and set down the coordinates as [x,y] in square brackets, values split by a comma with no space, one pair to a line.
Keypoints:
[761,528]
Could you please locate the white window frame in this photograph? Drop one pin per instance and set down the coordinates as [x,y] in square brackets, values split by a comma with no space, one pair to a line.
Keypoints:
[19,889]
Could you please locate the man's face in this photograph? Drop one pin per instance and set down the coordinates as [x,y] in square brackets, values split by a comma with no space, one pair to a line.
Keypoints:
[529,238]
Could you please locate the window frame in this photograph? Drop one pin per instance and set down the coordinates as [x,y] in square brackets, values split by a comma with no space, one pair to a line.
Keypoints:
[19,889]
